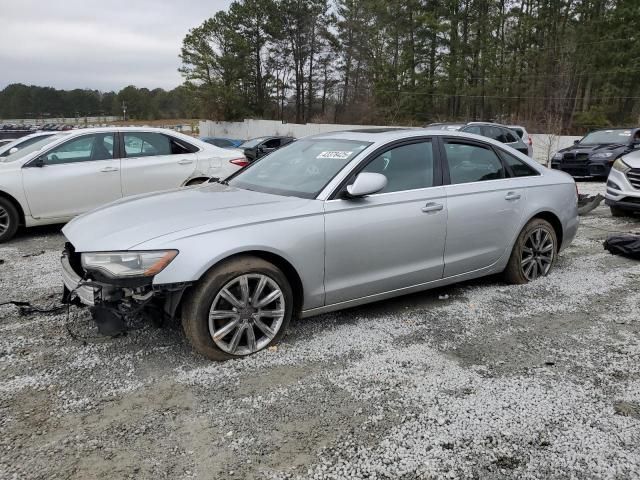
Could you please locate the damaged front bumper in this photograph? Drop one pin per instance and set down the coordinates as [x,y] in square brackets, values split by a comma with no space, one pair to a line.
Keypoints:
[117,303]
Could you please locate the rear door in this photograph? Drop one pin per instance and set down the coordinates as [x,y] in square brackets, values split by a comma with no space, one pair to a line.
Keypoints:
[77,175]
[154,161]
[484,206]
[393,239]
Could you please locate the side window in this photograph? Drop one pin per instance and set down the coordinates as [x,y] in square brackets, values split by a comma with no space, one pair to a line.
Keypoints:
[219,142]
[473,129]
[407,167]
[273,143]
[180,147]
[472,163]
[495,133]
[517,166]
[146,144]
[82,149]
[510,137]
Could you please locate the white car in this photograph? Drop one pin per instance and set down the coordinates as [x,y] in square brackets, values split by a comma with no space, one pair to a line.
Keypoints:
[623,185]
[61,176]
[19,143]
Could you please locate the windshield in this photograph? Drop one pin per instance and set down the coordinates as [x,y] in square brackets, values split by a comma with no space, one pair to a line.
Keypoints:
[252,143]
[607,136]
[301,169]
[22,143]
[31,148]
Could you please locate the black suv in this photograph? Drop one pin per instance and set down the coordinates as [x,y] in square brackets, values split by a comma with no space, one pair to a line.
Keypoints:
[594,154]
[497,132]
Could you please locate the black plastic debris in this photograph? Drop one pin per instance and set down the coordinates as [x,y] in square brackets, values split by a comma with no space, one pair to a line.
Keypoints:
[586,203]
[625,244]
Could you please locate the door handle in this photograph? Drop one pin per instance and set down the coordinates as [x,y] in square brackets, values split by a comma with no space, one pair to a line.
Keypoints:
[512,196]
[109,169]
[185,162]
[432,207]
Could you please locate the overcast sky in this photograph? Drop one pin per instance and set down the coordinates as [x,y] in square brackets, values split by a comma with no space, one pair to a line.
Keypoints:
[97,44]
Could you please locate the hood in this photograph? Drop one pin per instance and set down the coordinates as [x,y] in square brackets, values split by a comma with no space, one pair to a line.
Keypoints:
[632,159]
[602,147]
[134,220]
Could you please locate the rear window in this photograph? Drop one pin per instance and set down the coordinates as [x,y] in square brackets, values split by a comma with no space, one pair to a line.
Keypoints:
[519,131]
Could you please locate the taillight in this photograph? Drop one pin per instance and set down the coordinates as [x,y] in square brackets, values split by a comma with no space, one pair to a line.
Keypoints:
[530,141]
[241,162]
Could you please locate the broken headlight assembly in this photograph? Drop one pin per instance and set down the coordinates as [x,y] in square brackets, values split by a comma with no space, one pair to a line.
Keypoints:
[122,265]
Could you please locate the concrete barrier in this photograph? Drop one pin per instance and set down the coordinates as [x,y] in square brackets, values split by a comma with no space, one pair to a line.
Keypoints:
[544,145]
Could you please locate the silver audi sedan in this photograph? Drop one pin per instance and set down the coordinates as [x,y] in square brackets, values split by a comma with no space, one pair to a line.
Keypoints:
[328,222]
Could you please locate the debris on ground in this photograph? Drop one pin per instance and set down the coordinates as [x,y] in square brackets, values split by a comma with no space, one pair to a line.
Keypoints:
[625,244]
[587,203]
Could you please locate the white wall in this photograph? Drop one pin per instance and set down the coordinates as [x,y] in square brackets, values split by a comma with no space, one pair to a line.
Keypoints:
[69,121]
[543,144]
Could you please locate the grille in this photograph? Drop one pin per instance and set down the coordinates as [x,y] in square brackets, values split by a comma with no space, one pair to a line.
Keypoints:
[574,159]
[633,176]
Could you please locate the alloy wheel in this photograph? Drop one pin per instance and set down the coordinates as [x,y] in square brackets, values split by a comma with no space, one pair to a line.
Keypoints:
[537,254]
[4,220]
[246,314]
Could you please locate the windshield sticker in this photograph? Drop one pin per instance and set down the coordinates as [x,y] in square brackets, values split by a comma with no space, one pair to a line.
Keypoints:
[335,155]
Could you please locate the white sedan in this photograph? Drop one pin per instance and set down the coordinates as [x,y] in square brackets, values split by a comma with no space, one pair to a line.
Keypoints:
[61,176]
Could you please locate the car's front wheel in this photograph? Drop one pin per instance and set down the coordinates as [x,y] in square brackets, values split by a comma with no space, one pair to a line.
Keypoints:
[239,308]
[9,220]
[534,253]
[617,212]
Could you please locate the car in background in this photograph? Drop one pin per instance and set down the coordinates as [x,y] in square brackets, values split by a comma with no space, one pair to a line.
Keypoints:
[497,132]
[22,142]
[594,154]
[59,177]
[524,136]
[325,223]
[256,148]
[445,126]
[222,142]
[623,185]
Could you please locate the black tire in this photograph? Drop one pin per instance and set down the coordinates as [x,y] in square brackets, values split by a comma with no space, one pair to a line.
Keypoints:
[516,273]
[9,220]
[199,301]
[617,212]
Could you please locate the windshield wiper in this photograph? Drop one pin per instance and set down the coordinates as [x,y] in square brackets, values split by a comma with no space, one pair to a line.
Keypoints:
[217,180]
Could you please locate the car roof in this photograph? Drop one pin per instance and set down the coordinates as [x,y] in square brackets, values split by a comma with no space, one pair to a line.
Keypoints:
[383,137]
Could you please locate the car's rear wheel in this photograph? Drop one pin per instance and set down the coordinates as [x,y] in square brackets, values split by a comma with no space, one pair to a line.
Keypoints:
[239,308]
[534,253]
[617,212]
[9,220]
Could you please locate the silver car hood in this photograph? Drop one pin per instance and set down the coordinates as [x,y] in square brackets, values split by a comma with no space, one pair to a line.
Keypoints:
[134,220]
[632,159]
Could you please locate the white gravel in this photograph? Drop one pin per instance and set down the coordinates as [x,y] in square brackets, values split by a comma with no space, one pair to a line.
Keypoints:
[480,380]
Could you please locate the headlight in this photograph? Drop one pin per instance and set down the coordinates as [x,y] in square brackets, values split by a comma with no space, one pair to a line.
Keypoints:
[128,264]
[557,156]
[621,166]
[602,155]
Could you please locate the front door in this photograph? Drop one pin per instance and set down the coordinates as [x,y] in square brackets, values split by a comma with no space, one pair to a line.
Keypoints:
[76,176]
[390,240]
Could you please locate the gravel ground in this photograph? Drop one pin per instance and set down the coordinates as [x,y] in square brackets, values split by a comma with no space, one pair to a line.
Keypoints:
[478,380]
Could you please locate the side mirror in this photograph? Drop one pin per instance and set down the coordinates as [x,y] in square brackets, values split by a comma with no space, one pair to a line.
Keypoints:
[38,163]
[366,184]
[575,142]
